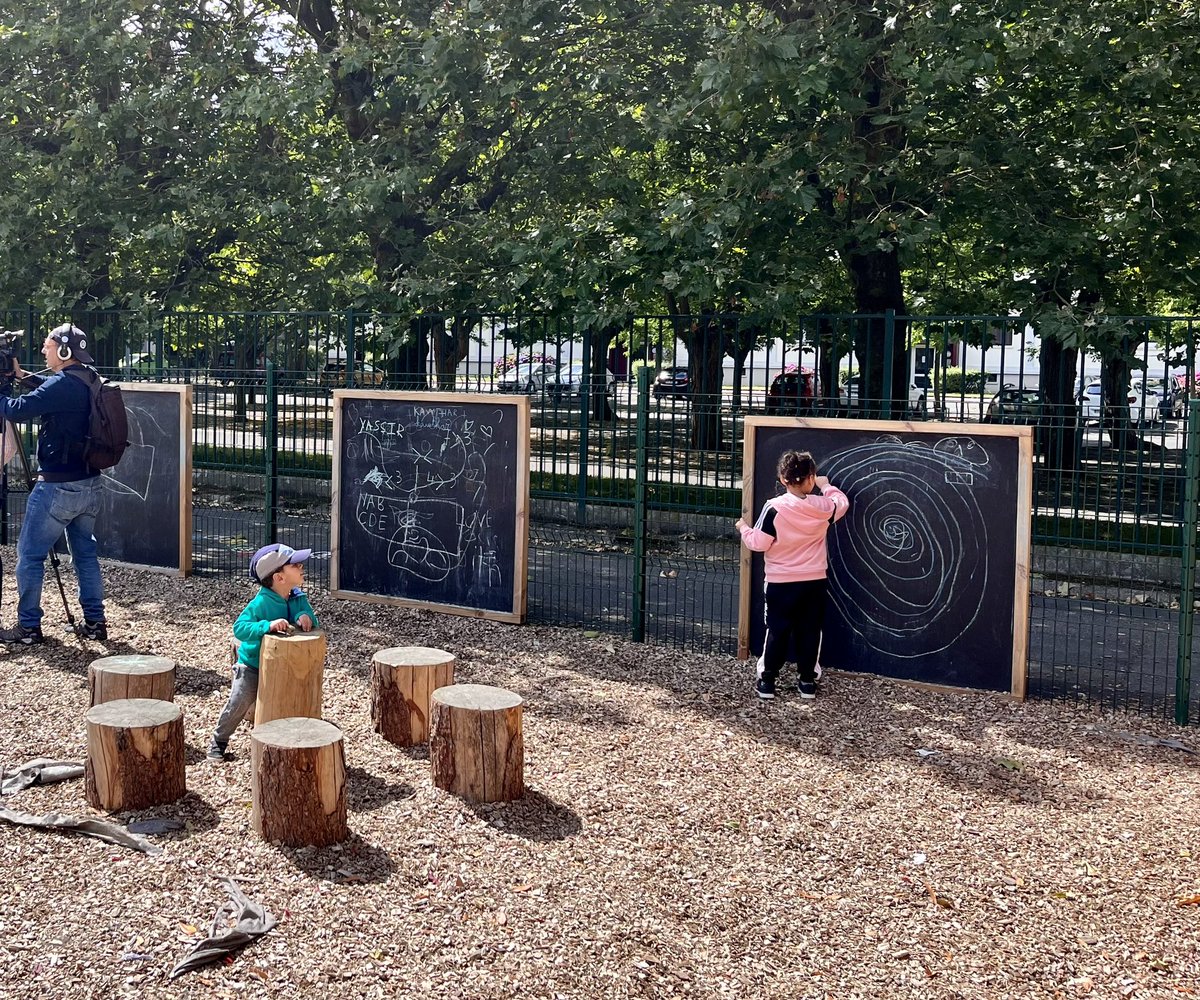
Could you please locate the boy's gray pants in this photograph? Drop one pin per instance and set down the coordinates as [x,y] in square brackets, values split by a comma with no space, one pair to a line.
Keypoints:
[242,696]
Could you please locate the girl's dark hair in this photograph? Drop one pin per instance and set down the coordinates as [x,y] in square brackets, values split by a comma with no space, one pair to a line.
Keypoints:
[796,466]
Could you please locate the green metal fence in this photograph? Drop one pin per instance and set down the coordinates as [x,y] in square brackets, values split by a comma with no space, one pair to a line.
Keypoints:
[636,456]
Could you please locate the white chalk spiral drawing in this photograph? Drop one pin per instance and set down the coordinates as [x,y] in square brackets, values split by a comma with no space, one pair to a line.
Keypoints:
[132,475]
[909,563]
[425,493]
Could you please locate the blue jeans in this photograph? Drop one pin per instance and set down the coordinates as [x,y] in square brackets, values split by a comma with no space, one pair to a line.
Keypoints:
[54,509]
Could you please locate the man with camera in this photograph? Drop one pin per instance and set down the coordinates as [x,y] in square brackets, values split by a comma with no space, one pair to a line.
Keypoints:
[66,495]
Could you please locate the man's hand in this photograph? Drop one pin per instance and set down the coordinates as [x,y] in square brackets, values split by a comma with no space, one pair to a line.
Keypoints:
[305,623]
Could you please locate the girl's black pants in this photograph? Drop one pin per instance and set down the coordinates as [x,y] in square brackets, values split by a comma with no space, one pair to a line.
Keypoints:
[794,612]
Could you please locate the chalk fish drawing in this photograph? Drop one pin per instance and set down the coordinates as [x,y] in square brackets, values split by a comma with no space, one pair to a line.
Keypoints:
[133,474]
[909,563]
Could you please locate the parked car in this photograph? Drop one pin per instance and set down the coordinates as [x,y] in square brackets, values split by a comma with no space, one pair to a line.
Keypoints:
[366,375]
[672,382]
[526,376]
[569,382]
[1145,403]
[792,391]
[1015,405]
[918,391]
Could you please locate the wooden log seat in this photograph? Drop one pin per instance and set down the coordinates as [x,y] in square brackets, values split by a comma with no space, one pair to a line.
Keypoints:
[291,672]
[135,754]
[132,675]
[475,746]
[403,680]
[298,782]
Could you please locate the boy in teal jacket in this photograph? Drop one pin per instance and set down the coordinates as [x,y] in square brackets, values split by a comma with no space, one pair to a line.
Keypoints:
[279,605]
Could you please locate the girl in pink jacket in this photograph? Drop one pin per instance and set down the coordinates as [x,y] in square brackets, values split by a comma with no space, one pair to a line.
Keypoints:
[790,531]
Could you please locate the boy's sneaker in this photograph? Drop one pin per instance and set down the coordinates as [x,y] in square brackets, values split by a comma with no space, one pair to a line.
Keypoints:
[92,630]
[765,689]
[21,634]
[215,752]
[808,690]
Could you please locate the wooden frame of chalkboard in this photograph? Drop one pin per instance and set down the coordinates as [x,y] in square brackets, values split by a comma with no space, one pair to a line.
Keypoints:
[940,536]
[431,501]
[145,518]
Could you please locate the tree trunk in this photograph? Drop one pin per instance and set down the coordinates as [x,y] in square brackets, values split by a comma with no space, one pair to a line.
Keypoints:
[114,678]
[449,350]
[135,754]
[290,676]
[879,287]
[476,747]
[403,680]
[1056,436]
[298,782]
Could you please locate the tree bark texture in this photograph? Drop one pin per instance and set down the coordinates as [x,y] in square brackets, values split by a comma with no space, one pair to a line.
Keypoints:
[403,680]
[135,754]
[298,782]
[115,678]
[291,672]
[476,747]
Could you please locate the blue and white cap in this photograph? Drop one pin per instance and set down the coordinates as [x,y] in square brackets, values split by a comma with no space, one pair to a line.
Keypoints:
[274,557]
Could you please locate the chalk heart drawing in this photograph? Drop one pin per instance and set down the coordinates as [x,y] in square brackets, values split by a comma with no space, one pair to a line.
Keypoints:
[909,563]
[133,474]
[425,494]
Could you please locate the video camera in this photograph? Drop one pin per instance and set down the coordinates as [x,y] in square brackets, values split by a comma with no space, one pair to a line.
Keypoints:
[9,341]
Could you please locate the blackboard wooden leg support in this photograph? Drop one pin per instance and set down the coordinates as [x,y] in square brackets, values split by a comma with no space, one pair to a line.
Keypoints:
[291,672]
[114,678]
[476,746]
[135,754]
[403,680]
[298,782]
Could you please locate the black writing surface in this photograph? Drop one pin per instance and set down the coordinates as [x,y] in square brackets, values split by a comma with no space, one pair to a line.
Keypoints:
[928,572]
[146,512]
[431,499]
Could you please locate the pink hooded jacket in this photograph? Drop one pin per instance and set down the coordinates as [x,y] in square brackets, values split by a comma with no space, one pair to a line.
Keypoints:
[791,531]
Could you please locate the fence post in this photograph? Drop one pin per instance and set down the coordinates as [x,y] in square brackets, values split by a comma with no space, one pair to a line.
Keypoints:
[639,505]
[889,367]
[1187,583]
[585,414]
[270,442]
[348,381]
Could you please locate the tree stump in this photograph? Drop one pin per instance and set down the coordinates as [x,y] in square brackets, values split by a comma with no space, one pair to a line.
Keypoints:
[403,679]
[113,678]
[475,745]
[291,670]
[135,754]
[298,782]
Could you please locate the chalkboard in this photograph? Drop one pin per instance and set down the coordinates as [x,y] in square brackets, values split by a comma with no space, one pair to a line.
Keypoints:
[431,500]
[929,571]
[146,513]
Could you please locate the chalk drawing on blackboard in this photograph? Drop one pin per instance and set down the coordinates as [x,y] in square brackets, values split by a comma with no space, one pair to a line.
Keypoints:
[132,476]
[425,494]
[909,564]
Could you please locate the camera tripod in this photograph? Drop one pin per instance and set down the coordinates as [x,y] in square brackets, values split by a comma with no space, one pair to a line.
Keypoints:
[10,428]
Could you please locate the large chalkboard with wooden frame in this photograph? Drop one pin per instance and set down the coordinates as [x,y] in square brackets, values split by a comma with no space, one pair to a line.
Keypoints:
[929,570]
[145,516]
[431,500]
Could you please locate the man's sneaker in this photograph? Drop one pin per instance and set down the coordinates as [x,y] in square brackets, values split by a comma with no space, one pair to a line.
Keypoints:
[765,689]
[808,690]
[92,630]
[215,752]
[21,634]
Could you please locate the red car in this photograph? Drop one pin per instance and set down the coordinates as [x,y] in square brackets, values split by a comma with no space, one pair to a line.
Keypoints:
[792,391]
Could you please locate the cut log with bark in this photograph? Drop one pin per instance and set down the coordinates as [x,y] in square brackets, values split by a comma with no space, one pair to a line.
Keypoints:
[133,675]
[291,672]
[403,680]
[476,747]
[135,754]
[298,782]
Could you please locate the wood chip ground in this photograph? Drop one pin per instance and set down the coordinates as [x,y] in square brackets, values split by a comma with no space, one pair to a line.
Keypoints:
[678,837]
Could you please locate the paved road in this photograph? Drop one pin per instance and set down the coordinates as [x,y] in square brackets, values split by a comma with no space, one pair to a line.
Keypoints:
[1108,652]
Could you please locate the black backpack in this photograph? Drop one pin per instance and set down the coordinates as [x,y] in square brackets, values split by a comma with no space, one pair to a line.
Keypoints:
[108,424]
